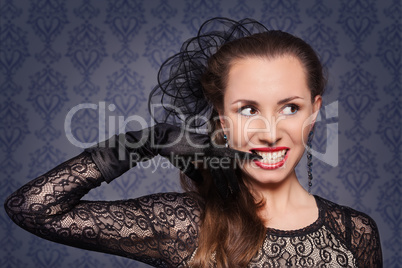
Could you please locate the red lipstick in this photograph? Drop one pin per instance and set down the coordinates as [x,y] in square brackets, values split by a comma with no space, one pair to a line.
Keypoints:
[269,149]
[270,166]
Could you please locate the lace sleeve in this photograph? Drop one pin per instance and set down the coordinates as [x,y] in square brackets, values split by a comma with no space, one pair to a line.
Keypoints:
[160,229]
[357,231]
[365,240]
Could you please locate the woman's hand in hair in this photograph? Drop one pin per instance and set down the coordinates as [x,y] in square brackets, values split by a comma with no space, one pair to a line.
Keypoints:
[183,148]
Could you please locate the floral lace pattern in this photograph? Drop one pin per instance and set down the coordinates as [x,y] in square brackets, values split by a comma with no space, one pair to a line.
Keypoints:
[162,229]
[340,237]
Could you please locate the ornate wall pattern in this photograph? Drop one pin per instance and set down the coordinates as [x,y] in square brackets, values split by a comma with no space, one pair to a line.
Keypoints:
[55,55]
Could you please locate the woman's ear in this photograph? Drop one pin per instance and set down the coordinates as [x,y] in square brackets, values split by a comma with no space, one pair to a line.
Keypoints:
[221,119]
[223,124]
[316,108]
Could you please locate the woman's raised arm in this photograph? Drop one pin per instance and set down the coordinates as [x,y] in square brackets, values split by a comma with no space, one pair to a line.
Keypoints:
[160,229]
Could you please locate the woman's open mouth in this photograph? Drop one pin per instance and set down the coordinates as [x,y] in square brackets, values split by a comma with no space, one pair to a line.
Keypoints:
[272,158]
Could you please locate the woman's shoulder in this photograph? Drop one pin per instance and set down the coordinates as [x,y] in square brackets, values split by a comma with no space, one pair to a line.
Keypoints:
[357,230]
[346,221]
[341,211]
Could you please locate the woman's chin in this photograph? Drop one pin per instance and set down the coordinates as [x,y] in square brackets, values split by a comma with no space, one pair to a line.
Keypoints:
[263,173]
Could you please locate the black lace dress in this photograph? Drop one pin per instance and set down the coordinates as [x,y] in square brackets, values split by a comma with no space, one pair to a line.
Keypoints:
[162,229]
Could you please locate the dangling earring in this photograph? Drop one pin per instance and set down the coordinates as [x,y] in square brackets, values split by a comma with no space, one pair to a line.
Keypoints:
[226,140]
[309,162]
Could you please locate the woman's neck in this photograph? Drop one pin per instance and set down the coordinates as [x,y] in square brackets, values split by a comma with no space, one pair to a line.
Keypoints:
[287,205]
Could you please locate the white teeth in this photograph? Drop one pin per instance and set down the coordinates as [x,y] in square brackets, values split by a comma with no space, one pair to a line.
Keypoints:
[272,157]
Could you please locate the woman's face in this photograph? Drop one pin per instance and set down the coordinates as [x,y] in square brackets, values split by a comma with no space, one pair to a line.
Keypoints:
[268,111]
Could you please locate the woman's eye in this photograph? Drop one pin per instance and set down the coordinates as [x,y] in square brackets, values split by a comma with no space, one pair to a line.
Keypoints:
[290,109]
[248,111]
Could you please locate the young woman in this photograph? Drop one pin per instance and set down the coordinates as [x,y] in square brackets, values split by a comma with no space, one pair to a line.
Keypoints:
[243,205]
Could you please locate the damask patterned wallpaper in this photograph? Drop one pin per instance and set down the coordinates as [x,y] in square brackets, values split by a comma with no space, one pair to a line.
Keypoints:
[102,56]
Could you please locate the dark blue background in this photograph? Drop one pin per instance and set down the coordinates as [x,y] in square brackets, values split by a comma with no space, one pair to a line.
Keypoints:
[55,55]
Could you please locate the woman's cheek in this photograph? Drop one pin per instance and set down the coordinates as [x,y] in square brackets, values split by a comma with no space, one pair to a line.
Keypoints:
[242,135]
[233,126]
[243,131]
[298,129]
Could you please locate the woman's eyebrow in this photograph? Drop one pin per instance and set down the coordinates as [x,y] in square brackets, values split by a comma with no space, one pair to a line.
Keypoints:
[288,99]
[252,102]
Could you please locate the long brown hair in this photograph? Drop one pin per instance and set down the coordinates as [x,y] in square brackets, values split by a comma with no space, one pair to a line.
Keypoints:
[231,233]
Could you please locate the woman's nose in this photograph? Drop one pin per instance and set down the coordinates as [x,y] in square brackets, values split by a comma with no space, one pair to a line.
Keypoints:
[265,130]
